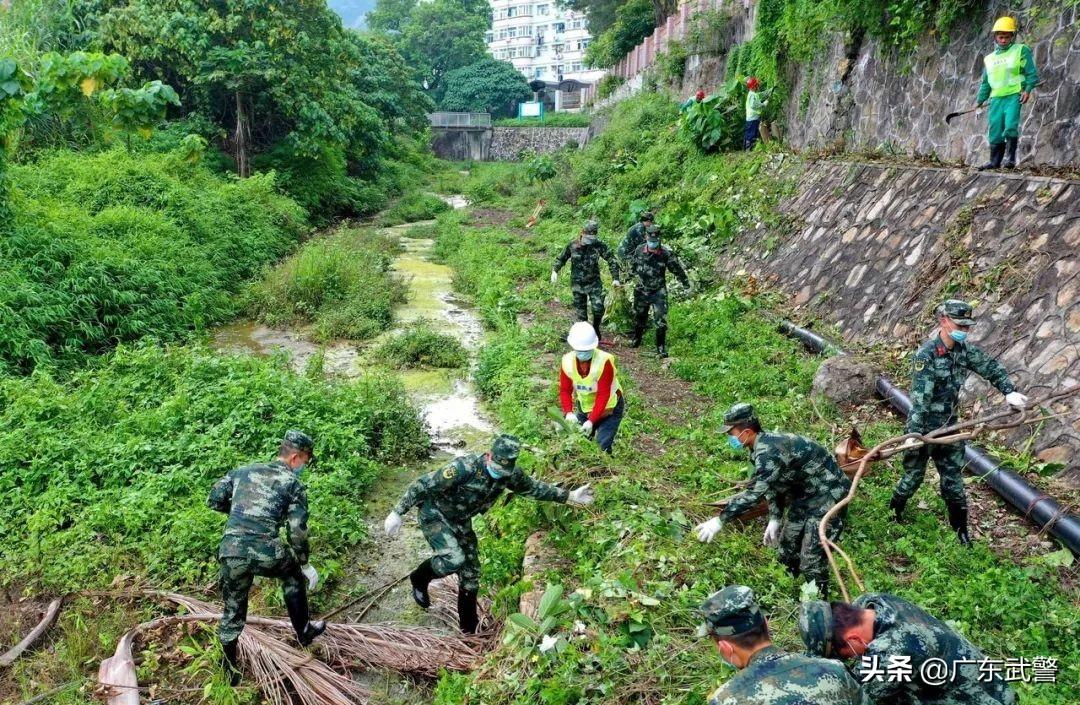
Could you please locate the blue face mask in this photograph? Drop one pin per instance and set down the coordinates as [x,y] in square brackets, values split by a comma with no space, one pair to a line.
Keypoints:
[653,244]
[495,470]
[583,355]
[958,335]
[734,442]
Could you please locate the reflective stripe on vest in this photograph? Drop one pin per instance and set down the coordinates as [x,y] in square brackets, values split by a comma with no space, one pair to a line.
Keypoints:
[585,387]
[1005,71]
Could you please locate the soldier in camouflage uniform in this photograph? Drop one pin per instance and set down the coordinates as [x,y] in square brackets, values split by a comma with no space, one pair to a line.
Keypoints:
[259,499]
[448,500]
[584,253]
[635,236]
[650,262]
[939,369]
[767,675]
[882,630]
[794,474]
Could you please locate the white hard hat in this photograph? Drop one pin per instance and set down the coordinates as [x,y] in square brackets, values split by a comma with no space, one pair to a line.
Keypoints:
[582,336]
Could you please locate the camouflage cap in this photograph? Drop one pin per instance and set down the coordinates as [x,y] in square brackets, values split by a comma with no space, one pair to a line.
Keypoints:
[647,215]
[816,627]
[730,612]
[739,414]
[299,440]
[592,227]
[653,230]
[958,311]
[506,449]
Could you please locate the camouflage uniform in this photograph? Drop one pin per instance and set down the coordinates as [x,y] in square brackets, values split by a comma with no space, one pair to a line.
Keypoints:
[938,373]
[634,238]
[651,268]
[449,498]
[797,475]
[902,629]
[773,677]
[259,499]
[585,284]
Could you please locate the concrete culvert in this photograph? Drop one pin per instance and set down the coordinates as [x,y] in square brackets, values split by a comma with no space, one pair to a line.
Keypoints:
[845,381]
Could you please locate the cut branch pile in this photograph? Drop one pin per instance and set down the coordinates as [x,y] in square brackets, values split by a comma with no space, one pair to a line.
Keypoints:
[1000,421]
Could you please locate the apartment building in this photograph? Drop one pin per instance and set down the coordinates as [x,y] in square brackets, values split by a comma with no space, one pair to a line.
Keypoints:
[542,40]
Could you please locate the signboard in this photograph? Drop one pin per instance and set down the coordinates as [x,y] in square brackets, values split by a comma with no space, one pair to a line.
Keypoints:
[532,108]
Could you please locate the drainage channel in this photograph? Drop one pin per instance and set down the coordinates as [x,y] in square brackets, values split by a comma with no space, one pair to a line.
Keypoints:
[1042,509]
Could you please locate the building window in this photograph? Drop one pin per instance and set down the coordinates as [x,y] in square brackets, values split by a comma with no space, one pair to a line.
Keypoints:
[576,24]
[542,10]
[511,12]
[560,26]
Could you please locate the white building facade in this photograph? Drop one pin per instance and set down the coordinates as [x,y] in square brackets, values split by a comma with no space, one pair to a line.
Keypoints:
[541,39]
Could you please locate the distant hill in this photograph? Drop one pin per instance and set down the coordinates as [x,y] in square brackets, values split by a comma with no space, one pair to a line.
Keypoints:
[352,11]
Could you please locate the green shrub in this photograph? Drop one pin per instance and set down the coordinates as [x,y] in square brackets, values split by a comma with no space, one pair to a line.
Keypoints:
[608,84]
[421,346]
[412,207]
[113,247]
[549,120]
[340,283]
[108,472]
[539,167]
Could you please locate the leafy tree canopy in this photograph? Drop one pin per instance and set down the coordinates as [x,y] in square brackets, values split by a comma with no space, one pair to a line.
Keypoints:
[634,21]
[488,85]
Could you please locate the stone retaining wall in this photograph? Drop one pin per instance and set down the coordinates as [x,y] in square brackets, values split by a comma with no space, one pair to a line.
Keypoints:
[507,143]
[874,248]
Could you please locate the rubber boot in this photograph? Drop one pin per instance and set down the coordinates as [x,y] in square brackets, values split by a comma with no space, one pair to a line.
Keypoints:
[306,631]
[1010,153]
[661,341]
[230,661]
[597,320]
[897,504]
[635,340]
[466,607]
[997,152]
[958,519]
[420,579]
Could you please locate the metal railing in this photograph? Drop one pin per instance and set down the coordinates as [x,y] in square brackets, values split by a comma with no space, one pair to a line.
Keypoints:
[442,119]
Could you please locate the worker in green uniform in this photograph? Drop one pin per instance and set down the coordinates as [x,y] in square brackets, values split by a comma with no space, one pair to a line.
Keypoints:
[635,236]
[767,675]
[939,369]
[885,632]
[650,263]
[449,498]
[754,105]
[584,254]
[259,500]
[1008,78]
[801,481]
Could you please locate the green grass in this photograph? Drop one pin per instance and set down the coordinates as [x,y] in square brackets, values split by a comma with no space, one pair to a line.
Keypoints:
[549,120]
[633,573]
[422,346]
[412,207]
[341,284]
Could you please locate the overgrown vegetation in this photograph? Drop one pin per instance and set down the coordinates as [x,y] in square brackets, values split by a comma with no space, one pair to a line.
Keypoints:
[631,572]
[411,207]
[549,120]
[422,346]
[340,284]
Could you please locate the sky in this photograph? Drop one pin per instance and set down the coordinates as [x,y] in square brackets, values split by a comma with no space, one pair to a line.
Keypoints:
[352,11]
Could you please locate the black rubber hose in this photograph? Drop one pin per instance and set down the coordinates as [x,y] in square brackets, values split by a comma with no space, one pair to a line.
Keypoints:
[1036,505]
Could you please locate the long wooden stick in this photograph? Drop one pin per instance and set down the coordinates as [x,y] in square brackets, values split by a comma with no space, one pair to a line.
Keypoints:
[14,652]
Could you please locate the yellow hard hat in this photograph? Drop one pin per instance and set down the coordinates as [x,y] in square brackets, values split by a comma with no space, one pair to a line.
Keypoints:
[1005,24]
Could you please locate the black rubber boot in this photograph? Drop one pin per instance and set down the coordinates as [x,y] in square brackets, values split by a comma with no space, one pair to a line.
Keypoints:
[661,341]
[897,504]
[597,320]
[958,519]
[230,661]
[306,631]
[1010,153]
[635,339]
[997,152]
[420,579]
[466,607]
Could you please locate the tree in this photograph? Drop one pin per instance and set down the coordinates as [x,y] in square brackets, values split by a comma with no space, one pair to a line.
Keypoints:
[390,16]
[486,86]
[443,35]
[634,21]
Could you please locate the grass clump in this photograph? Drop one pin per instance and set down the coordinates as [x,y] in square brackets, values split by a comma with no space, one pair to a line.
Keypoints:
[341,284]
[422,346]
[412,207]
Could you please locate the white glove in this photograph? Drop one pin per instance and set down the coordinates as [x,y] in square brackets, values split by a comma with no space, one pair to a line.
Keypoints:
[554,276]
[616,283]
[707,530]
[312,576]
[582,495]
[586,428]
[772,533]
[392,525]
[1016,399]
[570,417]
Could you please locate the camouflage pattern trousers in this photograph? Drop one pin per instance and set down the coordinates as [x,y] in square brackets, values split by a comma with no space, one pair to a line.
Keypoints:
[657,299]
[588,297]
[949,461]
[800,548]
[455,546]
[235,581]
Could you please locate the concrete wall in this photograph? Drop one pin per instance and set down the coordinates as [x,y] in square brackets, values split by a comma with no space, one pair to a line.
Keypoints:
[873,248]
[507,143]
[461,144]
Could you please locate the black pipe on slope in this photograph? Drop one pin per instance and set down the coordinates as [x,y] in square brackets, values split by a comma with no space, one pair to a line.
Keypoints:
[1042,509]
